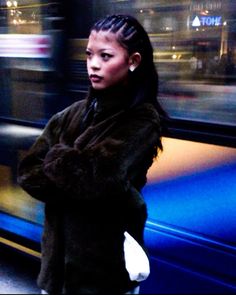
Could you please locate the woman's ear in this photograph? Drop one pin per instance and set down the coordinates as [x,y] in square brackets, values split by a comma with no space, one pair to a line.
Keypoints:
[134,61]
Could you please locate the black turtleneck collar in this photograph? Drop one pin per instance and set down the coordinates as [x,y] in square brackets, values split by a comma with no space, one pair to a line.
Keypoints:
[110,100]
[102,104]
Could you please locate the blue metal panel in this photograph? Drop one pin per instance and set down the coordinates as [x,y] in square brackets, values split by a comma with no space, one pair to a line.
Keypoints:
[23,228]
[190,233]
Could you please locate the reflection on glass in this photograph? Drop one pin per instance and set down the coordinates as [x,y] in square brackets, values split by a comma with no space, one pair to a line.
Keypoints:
[29,67]
[194,51]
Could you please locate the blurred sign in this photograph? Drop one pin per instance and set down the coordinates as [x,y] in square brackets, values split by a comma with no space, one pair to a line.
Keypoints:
[197,5]
[207,21]
[25,45]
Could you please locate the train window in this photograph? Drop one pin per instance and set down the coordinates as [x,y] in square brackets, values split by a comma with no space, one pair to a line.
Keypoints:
[195,54]
[194,51]
[29,69]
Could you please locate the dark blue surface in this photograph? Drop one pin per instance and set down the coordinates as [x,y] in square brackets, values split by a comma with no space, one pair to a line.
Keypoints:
[203,203]
[190,233]
[23,228]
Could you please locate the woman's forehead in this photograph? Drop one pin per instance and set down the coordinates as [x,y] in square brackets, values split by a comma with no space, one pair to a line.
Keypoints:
[103,36]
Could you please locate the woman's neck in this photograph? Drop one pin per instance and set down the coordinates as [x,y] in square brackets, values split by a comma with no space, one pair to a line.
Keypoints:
[117,97]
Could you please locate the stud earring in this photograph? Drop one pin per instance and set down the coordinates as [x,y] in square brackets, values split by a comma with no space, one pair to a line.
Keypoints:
[132,68]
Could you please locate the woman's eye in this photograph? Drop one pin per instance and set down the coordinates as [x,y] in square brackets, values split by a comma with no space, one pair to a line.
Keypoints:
[88,53]
[106,56]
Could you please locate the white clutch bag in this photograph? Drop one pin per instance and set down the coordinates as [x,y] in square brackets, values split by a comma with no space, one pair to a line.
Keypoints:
[136,260]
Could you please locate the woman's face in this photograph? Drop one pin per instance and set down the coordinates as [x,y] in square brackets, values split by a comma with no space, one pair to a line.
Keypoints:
[107,61]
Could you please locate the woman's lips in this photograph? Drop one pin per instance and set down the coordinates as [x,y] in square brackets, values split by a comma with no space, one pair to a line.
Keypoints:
[95,78]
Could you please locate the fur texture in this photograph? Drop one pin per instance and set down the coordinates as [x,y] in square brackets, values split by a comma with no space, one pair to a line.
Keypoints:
[90,182]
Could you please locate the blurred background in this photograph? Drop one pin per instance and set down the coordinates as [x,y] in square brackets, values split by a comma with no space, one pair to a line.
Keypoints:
[42,47]
[191,187]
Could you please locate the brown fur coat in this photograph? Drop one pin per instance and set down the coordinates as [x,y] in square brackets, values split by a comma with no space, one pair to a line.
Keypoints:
[90,181]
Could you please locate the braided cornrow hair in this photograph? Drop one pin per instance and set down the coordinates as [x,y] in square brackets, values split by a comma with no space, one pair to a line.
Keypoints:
[132,36]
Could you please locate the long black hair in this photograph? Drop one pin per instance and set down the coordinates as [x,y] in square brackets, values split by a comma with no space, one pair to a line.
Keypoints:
[133,37]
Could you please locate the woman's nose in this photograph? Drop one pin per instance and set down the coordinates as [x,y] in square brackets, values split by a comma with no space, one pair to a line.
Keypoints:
[94,63]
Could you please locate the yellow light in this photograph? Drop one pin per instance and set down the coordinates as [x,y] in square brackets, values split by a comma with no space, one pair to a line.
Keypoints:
[20,247]
[9,4]
[174,56]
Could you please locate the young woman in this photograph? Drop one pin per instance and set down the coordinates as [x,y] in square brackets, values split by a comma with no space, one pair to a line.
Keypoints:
[91,161]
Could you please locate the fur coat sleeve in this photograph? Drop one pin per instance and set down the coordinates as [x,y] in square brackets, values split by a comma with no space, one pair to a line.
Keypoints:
[31,174]
[106,159]
[30,171]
